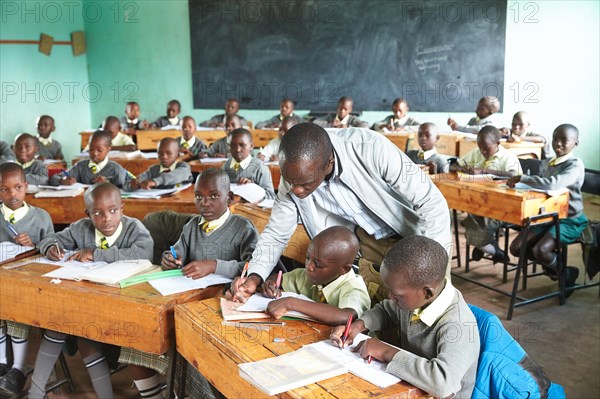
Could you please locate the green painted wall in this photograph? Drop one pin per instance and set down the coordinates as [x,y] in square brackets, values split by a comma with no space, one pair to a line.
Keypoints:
[34,83]
[140,50]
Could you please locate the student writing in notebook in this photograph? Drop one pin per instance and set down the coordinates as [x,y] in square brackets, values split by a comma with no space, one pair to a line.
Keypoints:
[98,168]
[214,241]
[286,110]
[428,136]
[243,168]
[220,148]
[486,107]
[398,120]
[48,147]
[438,337]
[232,107]
[105,235]
[270,153]
[343,116]
[488,157]
[190,146]
[24,225]
[26,147]
[172,117]
[167,173]
[562,170]
[328,279]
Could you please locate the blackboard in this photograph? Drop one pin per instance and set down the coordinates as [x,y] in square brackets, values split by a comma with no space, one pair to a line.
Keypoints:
[442,56]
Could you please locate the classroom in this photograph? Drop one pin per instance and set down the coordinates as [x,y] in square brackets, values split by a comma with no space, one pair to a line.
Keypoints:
[82,61]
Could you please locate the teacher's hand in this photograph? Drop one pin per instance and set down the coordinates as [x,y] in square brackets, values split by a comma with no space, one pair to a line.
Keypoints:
[242,288]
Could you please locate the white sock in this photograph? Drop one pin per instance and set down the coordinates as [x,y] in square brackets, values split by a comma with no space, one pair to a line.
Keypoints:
[488,249]
[149,387]
[19,347]
[3,358]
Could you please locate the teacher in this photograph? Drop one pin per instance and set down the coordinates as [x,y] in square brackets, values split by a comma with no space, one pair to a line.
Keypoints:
[352,177]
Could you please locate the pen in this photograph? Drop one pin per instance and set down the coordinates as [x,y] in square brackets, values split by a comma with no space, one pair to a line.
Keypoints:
[346,331]
[12,229]
[244,273]
[278,283]
[245,270]
[369,359]
[66,175]
[173,252]
[60,253]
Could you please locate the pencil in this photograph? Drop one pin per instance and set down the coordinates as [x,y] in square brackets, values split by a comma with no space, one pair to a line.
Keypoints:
[346,331]
[278,283]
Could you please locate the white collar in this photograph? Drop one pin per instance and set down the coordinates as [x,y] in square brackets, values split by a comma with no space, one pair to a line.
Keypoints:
[554,161]
[100,165]
[215,224]
[343,122]
[132,121]
[19,213]
[26,164]
[243,163]
[170,168]
[428,154]
[190,142]
[110,239]
[44,141]
[437,308]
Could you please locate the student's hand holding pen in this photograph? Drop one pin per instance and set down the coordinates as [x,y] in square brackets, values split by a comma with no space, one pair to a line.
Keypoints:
[67,181]
[99,179]
[169,262]
[55,252]
[270,289]
[338,333]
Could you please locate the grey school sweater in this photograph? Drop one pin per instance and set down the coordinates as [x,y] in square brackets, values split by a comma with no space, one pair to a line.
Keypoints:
[37,173]
[134,242]
[6,153]
[216,119]
[181,174]
[51,151]
[441,359]
[37,223]
[198,147]
[114,172]
[231,244]
[256,171]
[218,147]
[440,161]
[276,120]
[569,174]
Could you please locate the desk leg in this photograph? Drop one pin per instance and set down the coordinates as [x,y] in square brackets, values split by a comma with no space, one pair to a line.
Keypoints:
[182,375]
[520,265]
[456,236]
[172,370]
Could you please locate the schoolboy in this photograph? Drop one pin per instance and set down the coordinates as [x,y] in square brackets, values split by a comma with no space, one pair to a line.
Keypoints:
[342,117]
[562,170]
[220,148]
[119,141]
[242,167]
[167,173]
[26,147]
[214,241]
[486,107]
[489,157]
[172,118]
[24,225]
[328,279]
[105,235]
[286,110]
[131,121]
[232,107]
[521,131]
[190,145]
[270,153]
[398,120]
[428,136]
[48,147]
[98,168]
[6,153]
[438,337]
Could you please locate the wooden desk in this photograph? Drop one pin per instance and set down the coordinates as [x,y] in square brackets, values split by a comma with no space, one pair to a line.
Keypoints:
[501,203]
[216,350]
[520,149]
[404,141]
[261,137]
[448,144]
[298,244]
[136,317]
[69,210]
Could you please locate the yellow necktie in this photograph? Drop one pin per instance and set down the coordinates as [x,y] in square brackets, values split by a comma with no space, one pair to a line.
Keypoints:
[236,166]
[94,169]
[553,162]
[320,294]
[488,164]
[206,228]
[186,145]
[414,318]
[422,156]
[103,243]
[12,219]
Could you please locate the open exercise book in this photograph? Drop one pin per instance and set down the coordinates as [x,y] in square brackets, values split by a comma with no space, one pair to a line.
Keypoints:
[101,272]
[552,193]
[60,191]
[176,284]
[256,307]
[10,250]
[313,363]
[481,177]
[154,193]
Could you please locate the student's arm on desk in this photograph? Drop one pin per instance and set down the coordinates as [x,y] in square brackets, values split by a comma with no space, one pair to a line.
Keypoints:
[321,312]
[272,241]
[571,173]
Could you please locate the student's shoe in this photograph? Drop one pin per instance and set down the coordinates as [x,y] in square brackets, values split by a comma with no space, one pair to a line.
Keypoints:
[12,382]
[572,274]
[4,369]
[477,254]
[499,256]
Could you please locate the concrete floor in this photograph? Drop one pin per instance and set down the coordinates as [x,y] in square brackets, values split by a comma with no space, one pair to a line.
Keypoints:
[564,340]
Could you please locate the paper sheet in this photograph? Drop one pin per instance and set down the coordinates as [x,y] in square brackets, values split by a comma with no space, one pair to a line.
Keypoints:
[154,193]
[251,192]
[59,188]
[175,285]
[71,263]
[552,193]
[259,303]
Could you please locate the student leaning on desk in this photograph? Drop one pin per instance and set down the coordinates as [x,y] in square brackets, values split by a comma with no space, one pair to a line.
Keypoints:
[24,225]
[106,235]
[438,335]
